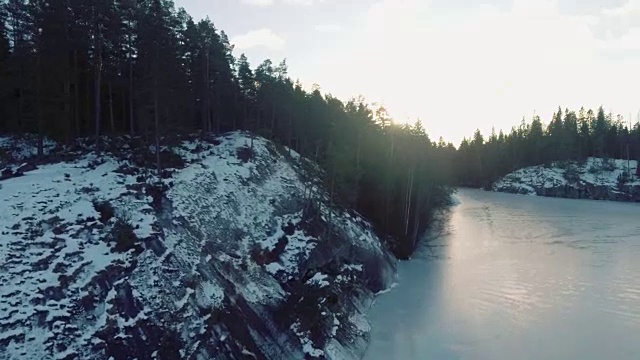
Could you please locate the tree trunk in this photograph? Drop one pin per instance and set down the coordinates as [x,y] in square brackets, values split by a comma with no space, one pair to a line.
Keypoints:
[358,152]
[111,120]
[388,185]
[217,112]
[206,111]
[235,112]
[156,106]
[20,97]
[416,221]
[123,106]
[67,83]
[273,121]
[19,110]
[290,133]
[67,110]
[76,107]
[87,100]
[408,200]
[97,106]
[245,121]
[629,161]
[131,112]
[98,73]
[157,126]
[39,106]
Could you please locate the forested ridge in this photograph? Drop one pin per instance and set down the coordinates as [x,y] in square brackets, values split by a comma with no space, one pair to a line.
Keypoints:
[143,69]
[569,136]
[74,69]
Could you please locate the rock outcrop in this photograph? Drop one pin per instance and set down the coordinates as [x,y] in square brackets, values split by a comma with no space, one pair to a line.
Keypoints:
[596,179]
[235,255]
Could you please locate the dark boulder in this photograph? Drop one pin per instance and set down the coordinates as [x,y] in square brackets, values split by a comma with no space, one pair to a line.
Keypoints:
[6,173]
[26,167]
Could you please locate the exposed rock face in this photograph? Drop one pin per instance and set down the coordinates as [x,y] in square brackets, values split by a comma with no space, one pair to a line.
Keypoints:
[227,258]
[595,179]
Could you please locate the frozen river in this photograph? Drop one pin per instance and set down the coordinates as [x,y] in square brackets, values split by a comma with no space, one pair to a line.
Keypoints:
[516,277]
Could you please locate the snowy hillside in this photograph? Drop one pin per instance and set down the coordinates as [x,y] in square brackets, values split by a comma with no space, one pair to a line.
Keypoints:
[595,178]
[225,257]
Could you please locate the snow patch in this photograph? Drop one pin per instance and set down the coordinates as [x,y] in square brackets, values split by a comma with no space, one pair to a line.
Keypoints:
[307,345]
[382,292]
[52,246]
[592,171]
[319,280]
[361,324]
[209,294]
[56,253]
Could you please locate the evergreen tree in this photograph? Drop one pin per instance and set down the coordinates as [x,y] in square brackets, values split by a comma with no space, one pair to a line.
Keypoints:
[575,137]
[585,148]
[535,141]
[247,87]
[570,137]
[599,133]
[78,68]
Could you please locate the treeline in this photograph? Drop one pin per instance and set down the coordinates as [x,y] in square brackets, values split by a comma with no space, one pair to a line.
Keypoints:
[568,136]
[94,68]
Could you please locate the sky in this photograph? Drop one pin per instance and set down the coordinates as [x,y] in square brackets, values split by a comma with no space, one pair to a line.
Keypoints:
[457,65]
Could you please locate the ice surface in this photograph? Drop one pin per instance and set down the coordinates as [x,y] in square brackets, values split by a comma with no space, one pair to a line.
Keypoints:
[518,278]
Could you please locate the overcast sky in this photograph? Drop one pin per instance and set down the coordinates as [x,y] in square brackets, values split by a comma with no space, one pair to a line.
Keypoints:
[456,64]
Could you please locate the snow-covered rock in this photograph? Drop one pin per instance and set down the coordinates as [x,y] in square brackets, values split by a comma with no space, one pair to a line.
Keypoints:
[224,258]
[595,178]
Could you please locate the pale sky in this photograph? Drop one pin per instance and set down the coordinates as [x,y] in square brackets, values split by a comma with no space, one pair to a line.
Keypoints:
[457,65]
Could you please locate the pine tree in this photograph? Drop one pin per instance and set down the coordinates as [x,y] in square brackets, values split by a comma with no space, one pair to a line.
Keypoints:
[130,13]
[585,139]
[246,83]
[555,131]
[535,142]
[158,71]
[19,67]
[570,139]
[599,132]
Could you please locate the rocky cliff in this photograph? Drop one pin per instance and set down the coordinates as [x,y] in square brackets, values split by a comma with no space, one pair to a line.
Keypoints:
[595,178]
[233,253]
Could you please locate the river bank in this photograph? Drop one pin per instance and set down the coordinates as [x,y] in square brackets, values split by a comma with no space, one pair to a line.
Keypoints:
[594,178]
